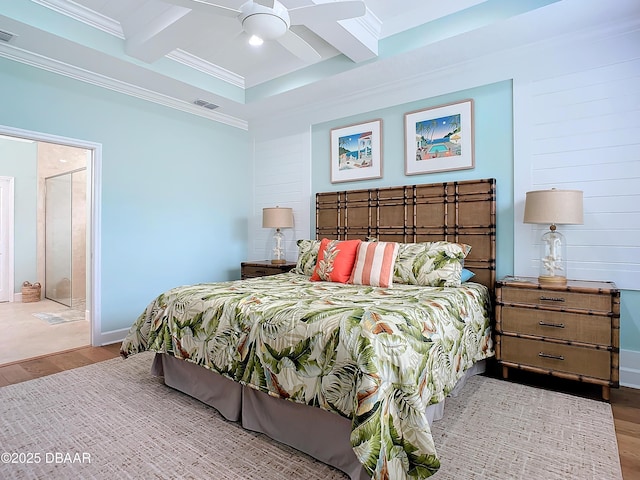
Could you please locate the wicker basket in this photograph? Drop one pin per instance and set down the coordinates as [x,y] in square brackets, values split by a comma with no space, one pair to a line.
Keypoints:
[31,292]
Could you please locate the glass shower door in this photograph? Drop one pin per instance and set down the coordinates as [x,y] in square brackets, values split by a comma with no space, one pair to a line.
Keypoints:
[58,237]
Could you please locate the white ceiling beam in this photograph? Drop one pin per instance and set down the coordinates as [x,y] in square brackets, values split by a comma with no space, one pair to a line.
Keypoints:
[157,37]
[357,38]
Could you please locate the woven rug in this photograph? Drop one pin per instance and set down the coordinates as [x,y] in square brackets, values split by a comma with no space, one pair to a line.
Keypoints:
[115,420]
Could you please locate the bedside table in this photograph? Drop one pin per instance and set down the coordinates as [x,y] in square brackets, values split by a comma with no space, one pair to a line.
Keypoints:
[263,268]
[570,331]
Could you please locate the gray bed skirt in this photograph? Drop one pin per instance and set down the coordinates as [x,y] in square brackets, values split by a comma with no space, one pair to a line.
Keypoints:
[284,421]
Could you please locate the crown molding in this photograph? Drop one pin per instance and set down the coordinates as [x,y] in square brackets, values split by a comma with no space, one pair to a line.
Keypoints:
[39,61]
[112,27]
[197,63]
[84,15]
[370,23]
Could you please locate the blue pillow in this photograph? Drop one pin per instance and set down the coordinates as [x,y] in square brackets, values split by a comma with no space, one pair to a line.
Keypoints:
[466,275]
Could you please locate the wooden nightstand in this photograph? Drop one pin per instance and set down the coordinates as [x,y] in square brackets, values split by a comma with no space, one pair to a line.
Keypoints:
[570,331]
[263,268]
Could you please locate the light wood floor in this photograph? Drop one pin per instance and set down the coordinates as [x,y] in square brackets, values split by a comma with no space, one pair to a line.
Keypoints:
[625,402]
[23,335]
[40,366]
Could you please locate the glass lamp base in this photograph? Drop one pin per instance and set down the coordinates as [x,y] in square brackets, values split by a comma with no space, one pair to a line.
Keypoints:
[553,264]
[278,251]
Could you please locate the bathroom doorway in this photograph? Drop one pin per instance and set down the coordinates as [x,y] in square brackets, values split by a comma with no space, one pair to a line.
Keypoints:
[33,329]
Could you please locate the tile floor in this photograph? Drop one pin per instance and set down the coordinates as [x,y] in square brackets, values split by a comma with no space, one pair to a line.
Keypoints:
[22,335]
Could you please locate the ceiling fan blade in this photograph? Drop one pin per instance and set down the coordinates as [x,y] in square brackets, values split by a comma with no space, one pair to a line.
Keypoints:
[299,47]
[327,12]
[227,8]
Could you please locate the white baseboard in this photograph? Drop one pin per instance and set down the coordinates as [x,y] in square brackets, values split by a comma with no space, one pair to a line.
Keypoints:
[113,336]
[630,368]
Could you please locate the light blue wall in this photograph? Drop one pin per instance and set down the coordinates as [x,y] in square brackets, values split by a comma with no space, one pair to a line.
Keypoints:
[493,154]
[630,320]
[174,186]
[493,159]
[18,160]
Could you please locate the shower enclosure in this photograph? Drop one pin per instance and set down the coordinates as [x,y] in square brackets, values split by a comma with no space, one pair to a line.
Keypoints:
[65,238]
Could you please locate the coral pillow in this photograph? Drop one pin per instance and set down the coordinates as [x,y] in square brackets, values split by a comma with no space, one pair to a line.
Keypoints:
[335,260]
[374,264]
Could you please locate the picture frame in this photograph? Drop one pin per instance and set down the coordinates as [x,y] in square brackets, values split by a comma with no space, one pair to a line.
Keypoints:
[439,139]
[356,152]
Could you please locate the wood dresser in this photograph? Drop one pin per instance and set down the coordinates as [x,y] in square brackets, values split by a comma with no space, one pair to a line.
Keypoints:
[570,331]
[263,268]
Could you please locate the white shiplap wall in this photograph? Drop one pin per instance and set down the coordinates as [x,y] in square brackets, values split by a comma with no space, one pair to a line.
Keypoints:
[582,131]
[281,177]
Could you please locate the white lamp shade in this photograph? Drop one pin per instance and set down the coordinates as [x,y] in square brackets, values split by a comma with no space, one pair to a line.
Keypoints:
[554,207]
[277,217]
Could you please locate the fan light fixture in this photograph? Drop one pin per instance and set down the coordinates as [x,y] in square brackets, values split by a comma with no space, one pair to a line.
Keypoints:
[551,207]
[255,40]
[265,26]
[263,22]
[277,218]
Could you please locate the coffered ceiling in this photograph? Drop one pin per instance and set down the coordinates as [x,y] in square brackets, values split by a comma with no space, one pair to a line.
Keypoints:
[200,61]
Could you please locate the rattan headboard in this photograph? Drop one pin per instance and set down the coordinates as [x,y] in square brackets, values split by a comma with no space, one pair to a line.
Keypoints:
[463,212]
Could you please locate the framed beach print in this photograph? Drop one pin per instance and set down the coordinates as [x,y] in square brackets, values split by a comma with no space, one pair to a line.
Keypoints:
[356,152]
[439,139]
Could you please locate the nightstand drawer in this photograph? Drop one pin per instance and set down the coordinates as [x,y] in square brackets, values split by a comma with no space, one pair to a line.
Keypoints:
[573,327]
[557,299]
[250,271]
[263,268]
[557,357]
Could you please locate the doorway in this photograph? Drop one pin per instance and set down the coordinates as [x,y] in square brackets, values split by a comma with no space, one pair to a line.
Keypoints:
[80,295]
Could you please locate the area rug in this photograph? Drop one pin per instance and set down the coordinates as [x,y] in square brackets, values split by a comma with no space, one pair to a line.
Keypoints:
[115,420]
[64,316]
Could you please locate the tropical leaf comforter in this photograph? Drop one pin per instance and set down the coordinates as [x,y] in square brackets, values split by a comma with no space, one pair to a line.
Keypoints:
[376,356]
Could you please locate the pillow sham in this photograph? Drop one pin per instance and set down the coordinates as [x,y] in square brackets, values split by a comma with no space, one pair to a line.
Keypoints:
[307,257]
[434,264]
[374,264]
[335,260]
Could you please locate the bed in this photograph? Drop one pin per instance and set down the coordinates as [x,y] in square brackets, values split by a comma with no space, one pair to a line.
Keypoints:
[351,374]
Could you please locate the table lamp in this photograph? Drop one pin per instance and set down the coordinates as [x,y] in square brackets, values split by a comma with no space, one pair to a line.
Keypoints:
[277,217]
[553,207]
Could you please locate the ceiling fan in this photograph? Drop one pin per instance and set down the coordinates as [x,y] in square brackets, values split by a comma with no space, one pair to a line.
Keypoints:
[270,20]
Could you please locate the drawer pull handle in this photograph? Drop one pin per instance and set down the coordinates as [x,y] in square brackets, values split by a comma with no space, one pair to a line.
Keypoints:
[552,299]
[546,355]
[555,325]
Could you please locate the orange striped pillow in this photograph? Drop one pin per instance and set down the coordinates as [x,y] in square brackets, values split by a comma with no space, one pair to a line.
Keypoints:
[374,264]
